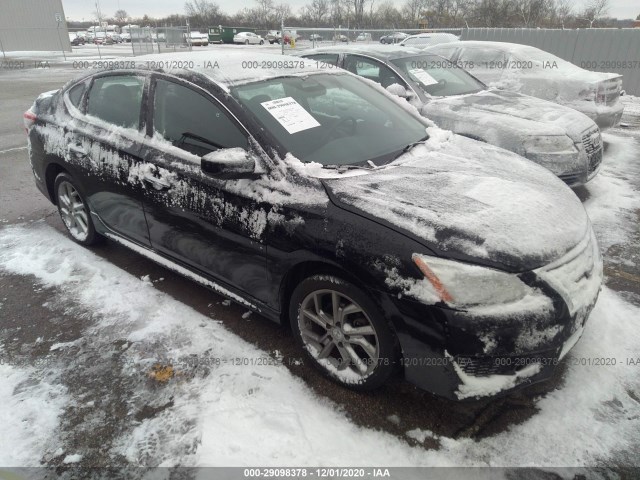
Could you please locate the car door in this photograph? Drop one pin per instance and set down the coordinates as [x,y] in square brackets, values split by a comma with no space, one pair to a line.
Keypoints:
[372,70]
[104,143]
[202,221]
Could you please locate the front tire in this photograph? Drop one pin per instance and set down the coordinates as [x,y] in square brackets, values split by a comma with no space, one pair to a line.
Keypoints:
[343,332]
[74,211]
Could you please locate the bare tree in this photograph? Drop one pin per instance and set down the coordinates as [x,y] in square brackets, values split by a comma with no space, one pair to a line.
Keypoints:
[594,10]
[121,16]
[203,13]
[317,12]
[563,11]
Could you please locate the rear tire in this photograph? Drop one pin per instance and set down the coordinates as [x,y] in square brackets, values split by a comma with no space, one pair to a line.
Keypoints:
[343,332]
[246,42]
[74,211]
[261,42]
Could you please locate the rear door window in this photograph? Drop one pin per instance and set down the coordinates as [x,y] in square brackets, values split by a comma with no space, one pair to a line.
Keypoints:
[116,99]
[75,94]
[372,70]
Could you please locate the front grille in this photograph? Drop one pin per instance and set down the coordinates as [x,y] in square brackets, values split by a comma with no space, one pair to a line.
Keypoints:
[592,143]
[577,276]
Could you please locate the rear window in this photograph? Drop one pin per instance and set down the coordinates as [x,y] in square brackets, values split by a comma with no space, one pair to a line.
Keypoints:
[117,99]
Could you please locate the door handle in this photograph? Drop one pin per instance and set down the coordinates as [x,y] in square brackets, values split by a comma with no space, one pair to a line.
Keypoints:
[157,183]
[77,151]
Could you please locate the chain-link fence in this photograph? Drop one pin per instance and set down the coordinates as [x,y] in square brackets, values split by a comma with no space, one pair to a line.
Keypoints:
[316,37]
[145,40]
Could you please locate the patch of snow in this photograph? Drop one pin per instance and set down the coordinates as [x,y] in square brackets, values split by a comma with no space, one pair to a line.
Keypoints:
[74,458]
[420,435]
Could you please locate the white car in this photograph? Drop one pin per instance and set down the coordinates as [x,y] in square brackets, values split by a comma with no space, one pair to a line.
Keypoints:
[363,37]
[248,38]
[529,70]
[421,40]
[198,39]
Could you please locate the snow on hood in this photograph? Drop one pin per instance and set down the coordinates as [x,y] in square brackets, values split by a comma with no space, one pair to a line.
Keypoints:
[539,117]
[468,198]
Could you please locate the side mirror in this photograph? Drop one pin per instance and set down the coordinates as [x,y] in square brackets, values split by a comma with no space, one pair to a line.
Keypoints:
[399,91]
[228,163]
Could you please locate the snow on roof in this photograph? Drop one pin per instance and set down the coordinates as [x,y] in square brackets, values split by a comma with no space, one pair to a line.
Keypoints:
[236,68]
[385,51]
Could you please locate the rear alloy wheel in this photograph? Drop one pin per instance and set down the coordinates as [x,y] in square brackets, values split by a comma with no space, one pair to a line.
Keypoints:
[343,332]
[74,211]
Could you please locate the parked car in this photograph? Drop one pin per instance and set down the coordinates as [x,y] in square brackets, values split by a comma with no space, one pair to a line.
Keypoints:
[425,39]
[394,37]
[273,36]
[76,40]
[559,138]
[363,37]
[248,38]
[117,38]
[314,37]
[386,243]
[529,70]
[340,38]
[198,39]
[126,37]
[101,38]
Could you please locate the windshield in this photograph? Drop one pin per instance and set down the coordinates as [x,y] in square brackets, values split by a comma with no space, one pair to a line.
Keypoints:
[437,76]
[331,119]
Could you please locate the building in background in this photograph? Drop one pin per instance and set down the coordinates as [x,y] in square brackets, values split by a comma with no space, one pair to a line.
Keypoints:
[27,25]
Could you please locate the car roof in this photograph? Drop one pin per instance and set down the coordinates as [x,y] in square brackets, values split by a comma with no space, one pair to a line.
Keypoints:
[231,69]
[382,52]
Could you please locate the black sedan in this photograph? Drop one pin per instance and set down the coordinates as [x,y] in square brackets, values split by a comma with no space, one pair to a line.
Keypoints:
[316,199]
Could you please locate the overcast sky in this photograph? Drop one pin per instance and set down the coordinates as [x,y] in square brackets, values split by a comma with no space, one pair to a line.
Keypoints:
[79,9]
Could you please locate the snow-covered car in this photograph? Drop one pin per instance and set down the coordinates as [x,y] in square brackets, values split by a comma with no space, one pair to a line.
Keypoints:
[422,40]
[248,38]
[363,37]
[529,70]
[125,37]
[394,37]
[198,39]
[317,198]
[559,138]
[273,36]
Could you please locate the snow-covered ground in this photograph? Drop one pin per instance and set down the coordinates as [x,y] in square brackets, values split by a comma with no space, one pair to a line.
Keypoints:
[217,413]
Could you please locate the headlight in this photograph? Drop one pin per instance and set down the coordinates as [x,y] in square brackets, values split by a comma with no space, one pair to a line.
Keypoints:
[549,144]
[463,286]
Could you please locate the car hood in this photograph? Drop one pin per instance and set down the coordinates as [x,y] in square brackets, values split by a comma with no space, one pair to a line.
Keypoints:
[529,115]
[469,200]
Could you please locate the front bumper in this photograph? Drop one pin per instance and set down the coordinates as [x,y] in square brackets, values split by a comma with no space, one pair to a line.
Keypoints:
[465,355]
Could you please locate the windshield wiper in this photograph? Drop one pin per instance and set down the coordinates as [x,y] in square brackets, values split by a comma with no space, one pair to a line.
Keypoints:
[344,168]
[410,146]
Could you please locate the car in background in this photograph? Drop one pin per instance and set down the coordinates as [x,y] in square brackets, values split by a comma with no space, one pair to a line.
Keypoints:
[198,39]
[76,40]
[102,38]
[126,37]
[314,37]
[117,38]
[363,37]
[248,38]
[529,70]
[273,36]
[340,38]
[394,37]
[565,141]
[421,40]
[386,243]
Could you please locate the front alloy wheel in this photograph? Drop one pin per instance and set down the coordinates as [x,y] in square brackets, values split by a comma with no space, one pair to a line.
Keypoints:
[343,332]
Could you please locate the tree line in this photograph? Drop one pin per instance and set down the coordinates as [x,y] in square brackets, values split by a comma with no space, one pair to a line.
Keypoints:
[388,14]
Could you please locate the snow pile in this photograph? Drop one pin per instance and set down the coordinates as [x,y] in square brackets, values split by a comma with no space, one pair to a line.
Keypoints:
[32,404]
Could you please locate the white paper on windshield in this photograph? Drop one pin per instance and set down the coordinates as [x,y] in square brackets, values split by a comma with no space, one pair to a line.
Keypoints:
[423,76]
[290,114]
